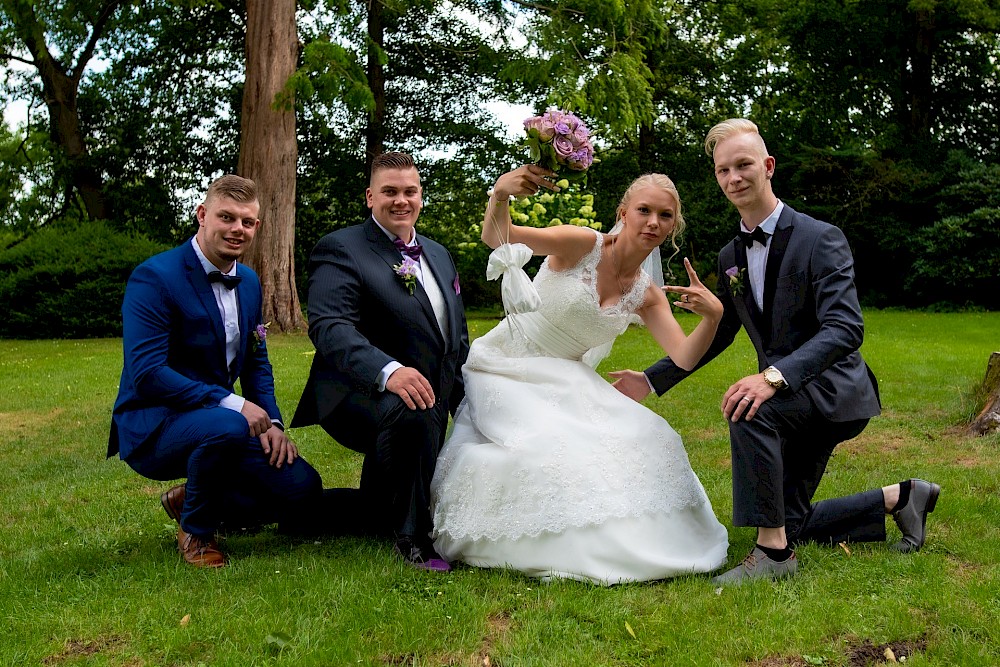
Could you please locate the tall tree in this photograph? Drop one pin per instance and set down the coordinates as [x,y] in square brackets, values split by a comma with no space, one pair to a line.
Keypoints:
[268,153]
[59,43]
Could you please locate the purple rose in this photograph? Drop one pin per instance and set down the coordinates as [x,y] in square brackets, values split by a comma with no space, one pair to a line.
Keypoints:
[563,148]
[732,271]
[580,160]
[562,128]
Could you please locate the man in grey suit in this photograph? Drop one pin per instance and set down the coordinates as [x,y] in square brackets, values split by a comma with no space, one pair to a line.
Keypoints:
[788,279]
[387,320]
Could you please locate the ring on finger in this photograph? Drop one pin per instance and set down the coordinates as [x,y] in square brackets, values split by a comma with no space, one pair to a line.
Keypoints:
[746,398]
[685,299]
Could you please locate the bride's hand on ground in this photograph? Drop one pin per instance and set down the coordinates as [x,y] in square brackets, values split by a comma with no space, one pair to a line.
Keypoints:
[526,180]
[631,383]
[696,298]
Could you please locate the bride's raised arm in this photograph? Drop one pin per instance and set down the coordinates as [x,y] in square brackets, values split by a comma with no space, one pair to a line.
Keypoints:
[560,241]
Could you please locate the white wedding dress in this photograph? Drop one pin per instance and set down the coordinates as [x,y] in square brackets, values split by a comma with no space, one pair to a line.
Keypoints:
[550,470]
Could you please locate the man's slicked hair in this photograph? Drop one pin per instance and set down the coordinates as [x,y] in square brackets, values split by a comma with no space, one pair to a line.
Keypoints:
[729,128]
[392,160]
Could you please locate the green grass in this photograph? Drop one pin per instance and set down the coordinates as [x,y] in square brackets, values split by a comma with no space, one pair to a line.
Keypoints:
[89,573]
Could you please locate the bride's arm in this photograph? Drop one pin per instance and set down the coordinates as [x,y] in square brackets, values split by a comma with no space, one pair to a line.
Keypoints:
[564,241]
[684,351]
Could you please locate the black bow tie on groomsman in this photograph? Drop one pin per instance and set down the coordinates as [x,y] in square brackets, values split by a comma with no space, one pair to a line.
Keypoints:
[230,282]
[412,251]
[757,234]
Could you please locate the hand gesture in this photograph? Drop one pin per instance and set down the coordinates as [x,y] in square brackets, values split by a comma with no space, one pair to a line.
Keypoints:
[744,398]
[526,180]
[278,446]
[696,298]
[256,417]
[412,387]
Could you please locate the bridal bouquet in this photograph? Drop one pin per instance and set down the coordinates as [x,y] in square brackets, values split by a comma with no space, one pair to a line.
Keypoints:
[559,141]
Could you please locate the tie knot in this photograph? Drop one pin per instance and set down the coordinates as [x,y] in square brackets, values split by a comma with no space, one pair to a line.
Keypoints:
[758,235]
[229,282]
[412,251]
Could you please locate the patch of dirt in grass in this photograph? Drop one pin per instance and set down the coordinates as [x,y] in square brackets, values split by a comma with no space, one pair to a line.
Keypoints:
[868,443]
[77,648]
[29,422]
[868,653]
[963,569]
[497,626]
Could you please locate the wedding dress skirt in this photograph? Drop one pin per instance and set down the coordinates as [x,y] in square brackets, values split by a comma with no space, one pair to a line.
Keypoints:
[551,471]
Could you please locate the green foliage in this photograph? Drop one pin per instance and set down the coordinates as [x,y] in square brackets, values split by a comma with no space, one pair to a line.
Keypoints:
[550,209]
[68,281]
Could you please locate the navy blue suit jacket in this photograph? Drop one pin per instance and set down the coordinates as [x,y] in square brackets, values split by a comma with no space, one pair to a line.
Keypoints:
[362,316]
[811,326]
[175,348]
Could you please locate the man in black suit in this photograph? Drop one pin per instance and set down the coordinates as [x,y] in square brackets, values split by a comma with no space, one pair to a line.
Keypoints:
[788,279]
[387,320]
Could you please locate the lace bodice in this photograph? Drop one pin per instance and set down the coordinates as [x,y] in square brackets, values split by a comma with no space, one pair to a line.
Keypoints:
[570,320]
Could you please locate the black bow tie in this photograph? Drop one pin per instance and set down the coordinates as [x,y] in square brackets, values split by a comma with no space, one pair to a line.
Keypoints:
[412,251]
[757,234]
[230,282]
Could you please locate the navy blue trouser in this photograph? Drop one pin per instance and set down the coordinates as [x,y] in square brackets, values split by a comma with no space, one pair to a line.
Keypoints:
[229,478]
[779,458]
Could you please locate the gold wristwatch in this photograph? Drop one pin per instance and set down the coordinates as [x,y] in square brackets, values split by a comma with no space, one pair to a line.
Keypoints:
[773,377]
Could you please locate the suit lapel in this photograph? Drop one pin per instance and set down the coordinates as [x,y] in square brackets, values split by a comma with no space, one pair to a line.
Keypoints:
[746,306]
[775,255]
[388,253]
[246,327]
[203,289]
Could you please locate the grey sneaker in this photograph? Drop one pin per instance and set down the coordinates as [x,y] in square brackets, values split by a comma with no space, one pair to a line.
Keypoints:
[758,566]
[912,518]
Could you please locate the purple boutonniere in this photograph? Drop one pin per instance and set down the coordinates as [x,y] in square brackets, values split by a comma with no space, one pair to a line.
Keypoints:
[260,334]
[454,283]
[737,280]
[407,270]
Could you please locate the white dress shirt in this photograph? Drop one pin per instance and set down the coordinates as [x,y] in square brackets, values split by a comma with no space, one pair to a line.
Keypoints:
[757,255]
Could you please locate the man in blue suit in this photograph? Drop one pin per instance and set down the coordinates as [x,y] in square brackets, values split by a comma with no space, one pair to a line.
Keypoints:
[387,320]
[192,327]
[788,279]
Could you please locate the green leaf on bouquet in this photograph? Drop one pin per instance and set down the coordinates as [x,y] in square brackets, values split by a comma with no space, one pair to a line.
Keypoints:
[533,147]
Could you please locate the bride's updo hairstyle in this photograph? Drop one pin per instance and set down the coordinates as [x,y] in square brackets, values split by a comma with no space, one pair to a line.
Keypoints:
[656,181]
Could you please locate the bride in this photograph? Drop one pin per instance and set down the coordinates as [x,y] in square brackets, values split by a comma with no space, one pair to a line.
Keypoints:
[549,469]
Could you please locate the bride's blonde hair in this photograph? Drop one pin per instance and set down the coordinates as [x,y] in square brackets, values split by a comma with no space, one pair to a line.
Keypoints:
[664,183]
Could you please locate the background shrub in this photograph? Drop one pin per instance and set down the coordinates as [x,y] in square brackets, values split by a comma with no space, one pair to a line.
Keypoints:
[67,281]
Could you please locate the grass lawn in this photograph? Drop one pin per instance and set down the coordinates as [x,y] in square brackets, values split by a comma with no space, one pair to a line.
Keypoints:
[90,575]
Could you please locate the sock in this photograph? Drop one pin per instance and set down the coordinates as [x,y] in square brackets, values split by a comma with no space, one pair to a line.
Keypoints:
[904,496]
[777,555]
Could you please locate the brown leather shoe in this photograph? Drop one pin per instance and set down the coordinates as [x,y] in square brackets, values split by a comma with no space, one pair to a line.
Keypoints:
[173,502]
[199,552]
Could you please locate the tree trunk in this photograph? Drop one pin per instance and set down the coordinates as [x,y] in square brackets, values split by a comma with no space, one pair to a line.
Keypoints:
[988,419]
[375,132]
[921,77]
[269,153]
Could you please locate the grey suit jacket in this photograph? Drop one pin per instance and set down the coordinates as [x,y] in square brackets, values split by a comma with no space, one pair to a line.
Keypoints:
[811,326]
[362,316]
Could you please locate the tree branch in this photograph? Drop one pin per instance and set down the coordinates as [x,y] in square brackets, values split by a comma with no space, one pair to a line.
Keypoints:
[11,56]
[107,11]
[543,8]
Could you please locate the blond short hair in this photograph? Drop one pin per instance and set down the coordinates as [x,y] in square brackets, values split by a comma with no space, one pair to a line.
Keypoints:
[233,187]
[729,128]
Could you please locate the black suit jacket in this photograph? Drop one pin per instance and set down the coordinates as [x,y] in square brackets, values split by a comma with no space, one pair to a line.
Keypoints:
[811,326]
[362,316]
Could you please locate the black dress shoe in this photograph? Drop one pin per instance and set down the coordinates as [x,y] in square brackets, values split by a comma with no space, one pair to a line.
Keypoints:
[912,517]
[421,558]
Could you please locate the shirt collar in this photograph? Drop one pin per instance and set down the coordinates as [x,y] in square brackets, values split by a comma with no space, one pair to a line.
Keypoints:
[207,265]
[393,237]
[770,222]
